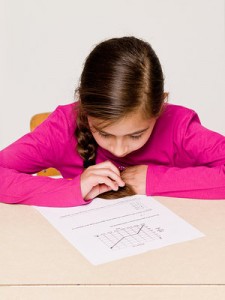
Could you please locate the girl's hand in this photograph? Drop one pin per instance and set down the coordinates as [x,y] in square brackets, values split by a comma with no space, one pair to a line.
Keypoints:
[136,177]
[100,178]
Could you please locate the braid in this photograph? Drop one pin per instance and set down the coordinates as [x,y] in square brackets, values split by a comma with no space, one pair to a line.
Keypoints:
[86,144]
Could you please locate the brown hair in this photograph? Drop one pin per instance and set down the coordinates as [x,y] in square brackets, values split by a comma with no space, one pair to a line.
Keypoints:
[120,76]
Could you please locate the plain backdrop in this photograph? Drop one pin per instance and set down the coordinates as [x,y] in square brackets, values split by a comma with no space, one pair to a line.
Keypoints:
[44,44]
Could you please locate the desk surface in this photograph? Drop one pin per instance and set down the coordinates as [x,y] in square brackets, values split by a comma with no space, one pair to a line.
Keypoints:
[33,253]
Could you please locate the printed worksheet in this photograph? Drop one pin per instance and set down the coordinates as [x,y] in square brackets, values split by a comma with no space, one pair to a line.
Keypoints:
[107,230]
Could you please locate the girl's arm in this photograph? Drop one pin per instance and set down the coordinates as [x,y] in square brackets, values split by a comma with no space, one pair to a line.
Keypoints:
[190,182]
[36,151]
[47,147]
[200,158]
[16,187]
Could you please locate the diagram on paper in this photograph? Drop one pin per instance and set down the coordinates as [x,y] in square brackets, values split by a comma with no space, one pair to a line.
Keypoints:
[131,236]
[104,231]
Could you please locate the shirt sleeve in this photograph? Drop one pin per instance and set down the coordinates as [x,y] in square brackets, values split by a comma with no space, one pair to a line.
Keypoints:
[198,171]
[34,152]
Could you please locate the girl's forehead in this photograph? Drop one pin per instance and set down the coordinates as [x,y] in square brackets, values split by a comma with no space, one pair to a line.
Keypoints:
[129,118]
[129,124]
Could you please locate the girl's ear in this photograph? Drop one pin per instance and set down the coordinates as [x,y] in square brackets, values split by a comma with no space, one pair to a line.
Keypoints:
[165,97]
[165,101]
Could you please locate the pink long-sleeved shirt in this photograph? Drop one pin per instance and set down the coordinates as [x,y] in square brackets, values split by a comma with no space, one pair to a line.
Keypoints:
[184,160]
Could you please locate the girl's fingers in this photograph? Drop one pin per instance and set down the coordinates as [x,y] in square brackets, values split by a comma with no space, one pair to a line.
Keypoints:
[97,190]
[99,179]
[107,164]
[94,181]
[108,174]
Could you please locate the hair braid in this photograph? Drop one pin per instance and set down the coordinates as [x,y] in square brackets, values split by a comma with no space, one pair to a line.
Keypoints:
[86,144]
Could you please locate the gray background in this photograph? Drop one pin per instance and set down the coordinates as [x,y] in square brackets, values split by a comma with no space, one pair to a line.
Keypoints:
[44,44]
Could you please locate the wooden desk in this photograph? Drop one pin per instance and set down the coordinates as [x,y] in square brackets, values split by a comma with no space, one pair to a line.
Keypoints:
[36,262]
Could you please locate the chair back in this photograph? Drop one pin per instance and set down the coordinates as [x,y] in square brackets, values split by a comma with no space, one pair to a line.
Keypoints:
[34,122]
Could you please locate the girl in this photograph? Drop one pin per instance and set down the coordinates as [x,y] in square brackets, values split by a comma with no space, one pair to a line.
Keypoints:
[121,122]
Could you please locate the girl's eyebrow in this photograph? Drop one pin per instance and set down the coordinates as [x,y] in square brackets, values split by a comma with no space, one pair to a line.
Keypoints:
[133,133]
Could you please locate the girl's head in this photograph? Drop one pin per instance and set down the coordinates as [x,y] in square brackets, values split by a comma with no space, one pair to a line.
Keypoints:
[121,94]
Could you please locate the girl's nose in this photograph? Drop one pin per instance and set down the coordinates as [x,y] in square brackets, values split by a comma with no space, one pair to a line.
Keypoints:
[119,149]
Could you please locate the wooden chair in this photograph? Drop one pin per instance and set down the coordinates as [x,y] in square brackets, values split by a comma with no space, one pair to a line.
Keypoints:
[34,122]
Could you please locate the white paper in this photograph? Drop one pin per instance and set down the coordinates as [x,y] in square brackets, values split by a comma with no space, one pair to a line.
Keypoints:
[107,230]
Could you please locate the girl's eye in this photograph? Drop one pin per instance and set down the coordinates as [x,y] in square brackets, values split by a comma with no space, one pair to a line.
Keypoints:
[106,135]
[136,137]
[102,134]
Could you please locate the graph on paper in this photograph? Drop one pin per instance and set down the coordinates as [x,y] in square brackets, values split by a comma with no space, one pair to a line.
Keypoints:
[131,236]
[104,231]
